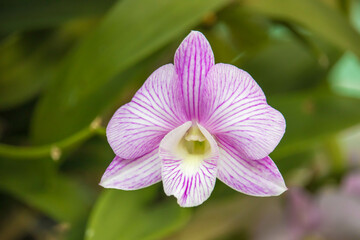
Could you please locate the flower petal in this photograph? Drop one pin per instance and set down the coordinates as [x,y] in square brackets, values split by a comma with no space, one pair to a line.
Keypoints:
[351,184]
[340,215]
[138,127]
[237,113]
[131,174]
[190,181]
[303,212]
[193,59]
[252,177]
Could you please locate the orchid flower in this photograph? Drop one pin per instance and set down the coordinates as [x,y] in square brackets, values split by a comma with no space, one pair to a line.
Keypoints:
[192,122]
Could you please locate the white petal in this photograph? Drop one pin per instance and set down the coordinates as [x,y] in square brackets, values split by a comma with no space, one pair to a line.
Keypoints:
[138,127]
[236,112]
[131,174]
[193,59]
[252,177]
[190,179]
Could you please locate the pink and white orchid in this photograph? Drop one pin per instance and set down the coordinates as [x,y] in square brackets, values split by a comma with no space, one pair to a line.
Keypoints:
[192,122]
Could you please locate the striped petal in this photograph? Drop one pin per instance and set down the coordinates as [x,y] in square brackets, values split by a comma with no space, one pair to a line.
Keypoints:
[253,177]
[193,59]
[132,174]
[190,178]
[237,113]
[138,127]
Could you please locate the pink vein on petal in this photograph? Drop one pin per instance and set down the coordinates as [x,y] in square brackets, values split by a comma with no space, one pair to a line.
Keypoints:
[155,110]
[237,112]
[193,59]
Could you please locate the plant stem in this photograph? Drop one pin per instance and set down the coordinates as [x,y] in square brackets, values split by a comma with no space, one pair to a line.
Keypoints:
[50,150]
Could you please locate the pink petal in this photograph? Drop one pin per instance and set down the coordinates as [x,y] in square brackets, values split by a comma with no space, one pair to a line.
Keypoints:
[237,113]
[340,213]
[351,184]
[131,174]
[252,177]
[193,59]
[303,212]
[190,182]
[138,127]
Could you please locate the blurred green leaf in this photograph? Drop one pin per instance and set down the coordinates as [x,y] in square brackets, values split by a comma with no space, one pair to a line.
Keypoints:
[355,14]
[315,16]
[219,218]
[131,215]
[19,15]
[278,58]
[20,75]
[290,162]
[38,185]
[235,33]
[284,65]
[130,32]
[312,117]
[345,76]
[219,38]
[248,31]
[30,61]
[90,160]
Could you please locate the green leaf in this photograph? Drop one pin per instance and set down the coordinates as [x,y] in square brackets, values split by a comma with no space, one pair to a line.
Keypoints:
[313,15]
[218,219]
[133,215]
[38,185]
[344,76]
[20,75]
[273,53]
[30,61]
[19,15]
[295,67]
[248,31]
[127,35]
[355,14]
[311,117]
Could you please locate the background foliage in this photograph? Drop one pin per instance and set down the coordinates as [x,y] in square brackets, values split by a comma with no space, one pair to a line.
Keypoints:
[66,66]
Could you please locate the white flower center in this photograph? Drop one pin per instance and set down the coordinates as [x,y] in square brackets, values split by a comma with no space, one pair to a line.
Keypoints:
[193,147]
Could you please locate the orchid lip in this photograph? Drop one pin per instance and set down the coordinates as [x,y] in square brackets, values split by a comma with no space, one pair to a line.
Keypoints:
[189,174]
[193,147]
